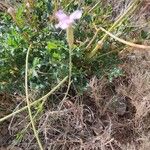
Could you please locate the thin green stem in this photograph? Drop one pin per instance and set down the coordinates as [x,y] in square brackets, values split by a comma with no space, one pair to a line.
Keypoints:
[41,105]
[92,40]
[28,102]
[35,102]
[126,42]
[69,78]
[70,40]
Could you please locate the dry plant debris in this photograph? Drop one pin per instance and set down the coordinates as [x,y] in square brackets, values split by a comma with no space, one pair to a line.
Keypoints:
[109,116]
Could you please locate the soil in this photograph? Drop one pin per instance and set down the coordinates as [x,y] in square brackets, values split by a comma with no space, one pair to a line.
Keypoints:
[7,104]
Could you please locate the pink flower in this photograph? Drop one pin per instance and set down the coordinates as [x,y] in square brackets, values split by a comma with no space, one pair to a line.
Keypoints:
[67,20]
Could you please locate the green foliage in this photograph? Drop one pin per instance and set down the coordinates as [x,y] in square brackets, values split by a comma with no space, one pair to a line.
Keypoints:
[49,57]
[114,73]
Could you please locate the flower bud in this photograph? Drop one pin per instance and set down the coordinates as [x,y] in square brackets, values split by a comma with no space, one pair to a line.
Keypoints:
[70,37]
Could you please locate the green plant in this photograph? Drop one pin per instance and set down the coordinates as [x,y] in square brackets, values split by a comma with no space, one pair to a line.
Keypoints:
[49,59]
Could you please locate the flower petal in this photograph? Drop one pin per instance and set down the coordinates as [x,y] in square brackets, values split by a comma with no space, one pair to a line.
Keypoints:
[76,15]
[60,15]
[62,25]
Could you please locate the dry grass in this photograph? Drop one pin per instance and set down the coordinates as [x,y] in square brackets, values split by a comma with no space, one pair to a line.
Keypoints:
[109,116]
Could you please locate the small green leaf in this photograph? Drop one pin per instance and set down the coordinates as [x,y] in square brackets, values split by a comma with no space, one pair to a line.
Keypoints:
[51,45]
[56,56]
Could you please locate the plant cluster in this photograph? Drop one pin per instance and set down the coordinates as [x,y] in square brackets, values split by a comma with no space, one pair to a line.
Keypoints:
[48,44]
[48,61]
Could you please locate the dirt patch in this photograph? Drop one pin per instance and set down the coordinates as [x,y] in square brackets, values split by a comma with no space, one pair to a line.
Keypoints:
[6,107]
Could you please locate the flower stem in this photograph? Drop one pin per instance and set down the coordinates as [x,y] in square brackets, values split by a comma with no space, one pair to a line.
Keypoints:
[70,40]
